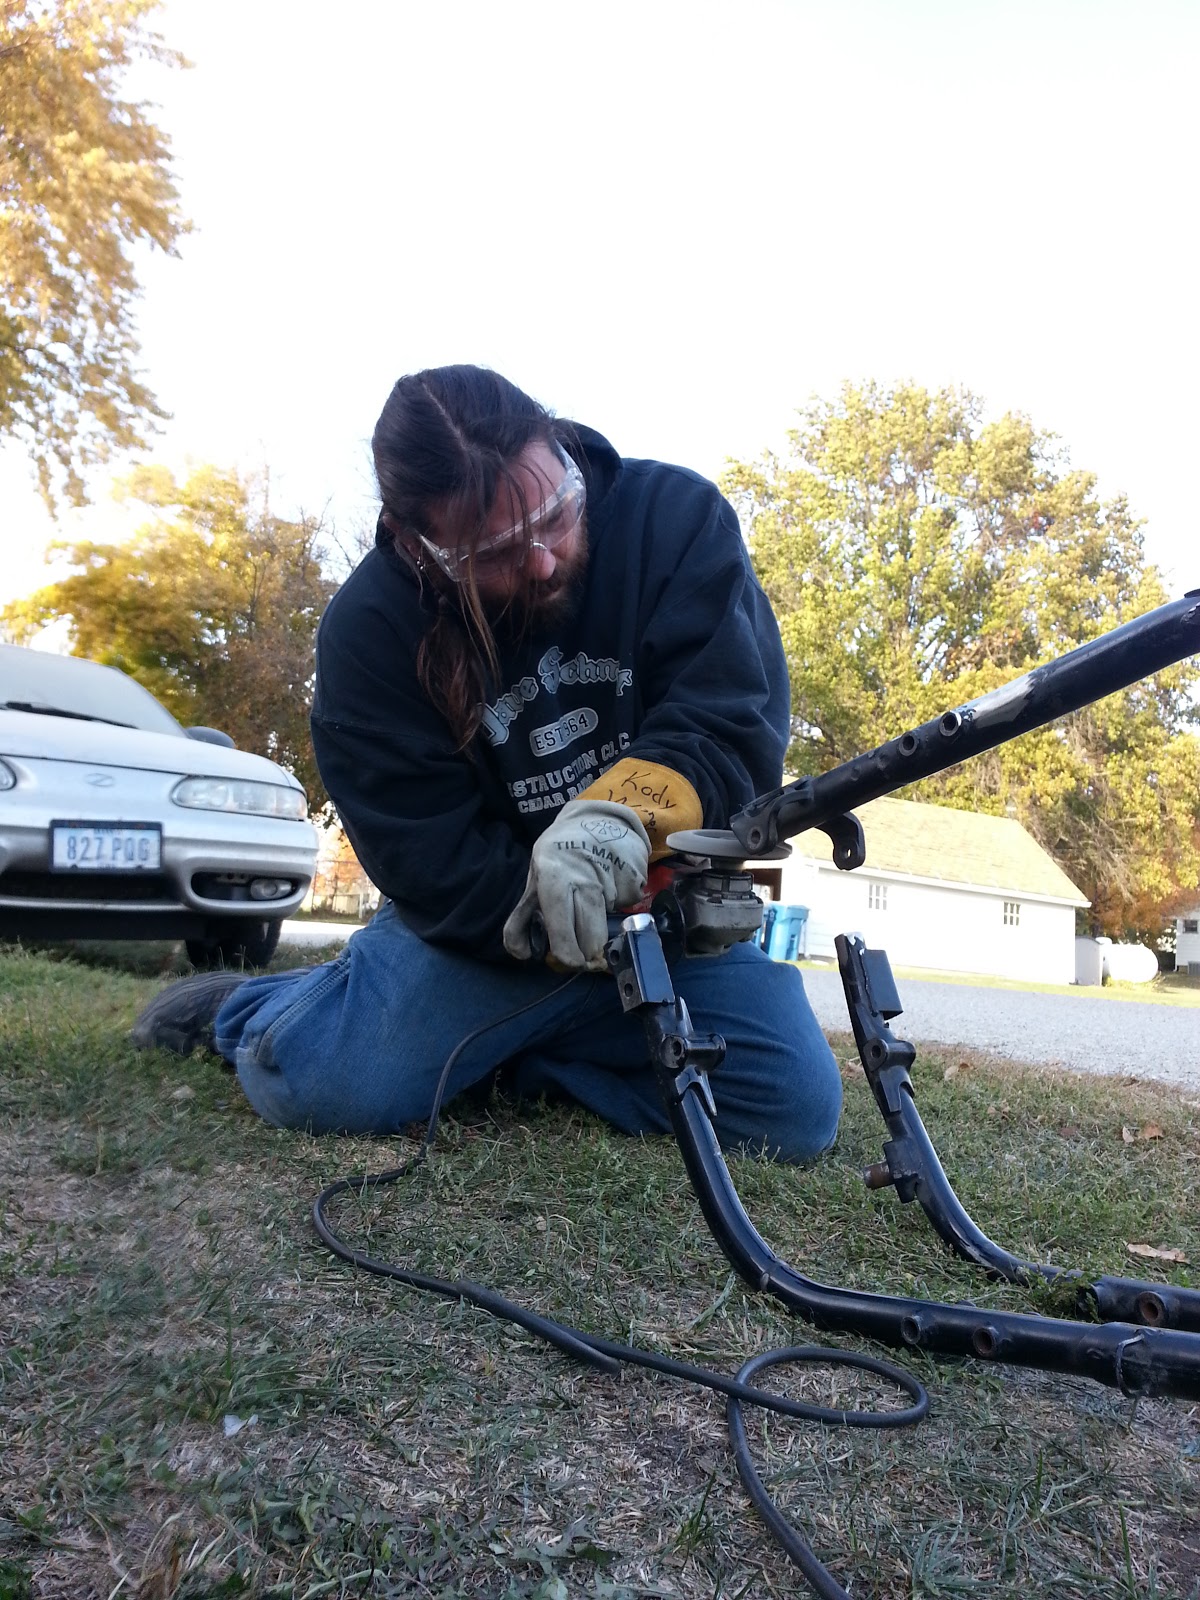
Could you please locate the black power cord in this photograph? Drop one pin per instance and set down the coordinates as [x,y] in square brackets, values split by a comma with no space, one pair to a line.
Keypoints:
[610,1356]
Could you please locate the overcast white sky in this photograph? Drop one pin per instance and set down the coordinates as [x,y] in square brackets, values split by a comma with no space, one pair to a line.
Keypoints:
[674,220]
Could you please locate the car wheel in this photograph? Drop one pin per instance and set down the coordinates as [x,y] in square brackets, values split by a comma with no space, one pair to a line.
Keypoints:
[241,943]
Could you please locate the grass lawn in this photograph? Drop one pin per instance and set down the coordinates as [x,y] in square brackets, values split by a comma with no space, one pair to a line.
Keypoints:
[158,1276]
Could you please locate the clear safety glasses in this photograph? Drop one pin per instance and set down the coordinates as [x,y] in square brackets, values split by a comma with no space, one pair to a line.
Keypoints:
[554,520]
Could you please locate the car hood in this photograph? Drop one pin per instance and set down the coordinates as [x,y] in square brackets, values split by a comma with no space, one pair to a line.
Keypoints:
[37,738]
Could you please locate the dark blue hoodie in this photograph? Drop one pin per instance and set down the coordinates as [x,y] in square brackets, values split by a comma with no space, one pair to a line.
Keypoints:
[672,655]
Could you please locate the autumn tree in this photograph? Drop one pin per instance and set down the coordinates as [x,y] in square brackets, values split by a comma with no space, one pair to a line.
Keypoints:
[84,179]
[213,605]
[917,557]
[340,874]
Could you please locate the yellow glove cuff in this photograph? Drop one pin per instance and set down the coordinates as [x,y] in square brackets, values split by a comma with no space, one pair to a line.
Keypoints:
[664,800]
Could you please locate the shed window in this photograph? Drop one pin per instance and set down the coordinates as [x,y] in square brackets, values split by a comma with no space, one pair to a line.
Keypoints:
[877,896]
[1191,924]
[1012,913]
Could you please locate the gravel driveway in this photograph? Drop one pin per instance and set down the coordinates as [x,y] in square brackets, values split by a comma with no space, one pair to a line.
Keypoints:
[1085,1033]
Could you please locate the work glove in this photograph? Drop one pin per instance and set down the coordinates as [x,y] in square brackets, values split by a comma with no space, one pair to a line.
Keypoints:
[663,799]
[592,858]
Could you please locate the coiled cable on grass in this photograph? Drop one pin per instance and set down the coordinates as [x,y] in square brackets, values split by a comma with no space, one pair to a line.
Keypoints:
[609,1356]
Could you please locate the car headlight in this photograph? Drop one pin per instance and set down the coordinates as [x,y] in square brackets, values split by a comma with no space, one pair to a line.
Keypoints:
[8,778]
[241,795]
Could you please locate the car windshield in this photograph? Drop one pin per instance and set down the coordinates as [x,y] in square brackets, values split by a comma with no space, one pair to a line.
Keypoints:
[66,686]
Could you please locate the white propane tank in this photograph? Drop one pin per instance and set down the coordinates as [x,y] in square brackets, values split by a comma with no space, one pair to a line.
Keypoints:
[1130,963]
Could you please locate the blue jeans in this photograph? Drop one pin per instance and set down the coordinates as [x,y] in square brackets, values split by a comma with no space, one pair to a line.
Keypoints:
[358,1045]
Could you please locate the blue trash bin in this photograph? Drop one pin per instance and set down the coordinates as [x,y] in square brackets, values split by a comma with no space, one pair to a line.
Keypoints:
[763,937]
[787,933]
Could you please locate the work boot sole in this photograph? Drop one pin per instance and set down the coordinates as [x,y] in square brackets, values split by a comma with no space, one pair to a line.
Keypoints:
[181,1017]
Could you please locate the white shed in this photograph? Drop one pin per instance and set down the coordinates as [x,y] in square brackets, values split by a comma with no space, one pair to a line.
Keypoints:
[1187,942]
[952,891]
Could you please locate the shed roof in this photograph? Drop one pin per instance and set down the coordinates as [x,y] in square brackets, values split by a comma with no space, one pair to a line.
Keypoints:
[930,841]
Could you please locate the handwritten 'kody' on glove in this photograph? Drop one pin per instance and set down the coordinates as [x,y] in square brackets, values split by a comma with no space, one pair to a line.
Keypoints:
[663,799]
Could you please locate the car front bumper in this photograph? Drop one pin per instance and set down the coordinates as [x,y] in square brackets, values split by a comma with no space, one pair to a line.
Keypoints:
[209,859]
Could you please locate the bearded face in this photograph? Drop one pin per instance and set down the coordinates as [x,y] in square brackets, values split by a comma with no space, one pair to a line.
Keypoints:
[526,565]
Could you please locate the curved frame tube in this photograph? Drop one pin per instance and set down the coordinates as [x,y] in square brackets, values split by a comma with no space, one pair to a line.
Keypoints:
[1135,1360]
[911,1163]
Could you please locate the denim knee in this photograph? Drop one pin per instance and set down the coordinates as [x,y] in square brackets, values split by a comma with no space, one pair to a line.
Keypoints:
[801,1122]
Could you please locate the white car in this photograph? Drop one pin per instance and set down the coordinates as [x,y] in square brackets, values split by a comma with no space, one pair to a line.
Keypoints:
[118,823]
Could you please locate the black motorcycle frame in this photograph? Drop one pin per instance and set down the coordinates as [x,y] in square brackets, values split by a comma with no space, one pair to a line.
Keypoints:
[1147,1341]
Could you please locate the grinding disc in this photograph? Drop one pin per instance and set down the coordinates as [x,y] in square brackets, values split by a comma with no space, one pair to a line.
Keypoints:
[721,844]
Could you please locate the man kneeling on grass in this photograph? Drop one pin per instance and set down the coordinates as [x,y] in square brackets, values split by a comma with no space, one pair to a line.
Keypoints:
[551,659]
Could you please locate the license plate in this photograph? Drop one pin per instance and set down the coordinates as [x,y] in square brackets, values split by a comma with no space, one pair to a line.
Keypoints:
[105,847]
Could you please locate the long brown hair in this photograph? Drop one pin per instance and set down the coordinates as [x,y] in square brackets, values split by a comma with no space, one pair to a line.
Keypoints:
[449,437]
